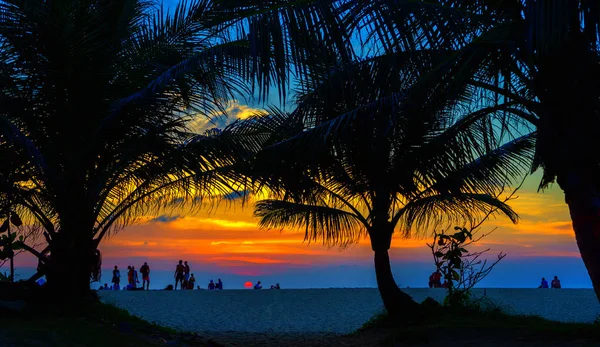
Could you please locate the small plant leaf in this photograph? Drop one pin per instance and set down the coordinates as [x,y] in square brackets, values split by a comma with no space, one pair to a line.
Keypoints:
[4,227]
[16,220]
[455,275]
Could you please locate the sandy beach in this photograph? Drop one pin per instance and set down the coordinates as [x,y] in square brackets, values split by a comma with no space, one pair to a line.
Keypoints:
[336,310]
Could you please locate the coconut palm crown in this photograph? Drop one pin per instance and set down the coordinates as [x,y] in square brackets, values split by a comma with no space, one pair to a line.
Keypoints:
[383,150]
[97,99]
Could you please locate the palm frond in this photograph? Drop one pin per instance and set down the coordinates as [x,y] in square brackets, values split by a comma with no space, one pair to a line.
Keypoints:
[489,172]
[331,226]
[292,34]
[446,210]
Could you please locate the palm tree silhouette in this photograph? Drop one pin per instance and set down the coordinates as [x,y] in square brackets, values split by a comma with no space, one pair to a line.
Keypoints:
[97,98]
[381,152]
[543,57]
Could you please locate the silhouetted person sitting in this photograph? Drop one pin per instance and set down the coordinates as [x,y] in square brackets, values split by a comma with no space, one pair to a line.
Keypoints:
[544,283]
[219,284]
[435,279]
[169,287]
[211,285]
[258,285]
[191,282]
[555,283]
[277,286]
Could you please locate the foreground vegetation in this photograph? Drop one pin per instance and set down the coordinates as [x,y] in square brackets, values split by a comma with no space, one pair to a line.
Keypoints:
[94,324]
[101,325]
[446,326]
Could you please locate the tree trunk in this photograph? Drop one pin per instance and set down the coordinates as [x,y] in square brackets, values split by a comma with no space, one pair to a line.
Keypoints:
[396,302]
[581,195]
[70,266]
[12,256]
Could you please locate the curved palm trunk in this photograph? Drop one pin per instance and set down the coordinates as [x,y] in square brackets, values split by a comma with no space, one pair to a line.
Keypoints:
[396,302]
[583,199]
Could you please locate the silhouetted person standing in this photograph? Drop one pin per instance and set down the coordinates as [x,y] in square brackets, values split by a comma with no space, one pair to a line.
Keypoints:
[186,271]
[179,274]
[135,279]
[116,279]
[145,270]
[555,283]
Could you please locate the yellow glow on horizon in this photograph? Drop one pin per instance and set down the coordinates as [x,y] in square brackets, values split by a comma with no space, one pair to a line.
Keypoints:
[194,222]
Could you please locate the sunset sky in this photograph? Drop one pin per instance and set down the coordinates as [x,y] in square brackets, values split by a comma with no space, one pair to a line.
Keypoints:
[226,243]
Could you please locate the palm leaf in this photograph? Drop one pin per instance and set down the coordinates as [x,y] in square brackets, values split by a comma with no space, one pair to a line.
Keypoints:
[445,210]
[334,227]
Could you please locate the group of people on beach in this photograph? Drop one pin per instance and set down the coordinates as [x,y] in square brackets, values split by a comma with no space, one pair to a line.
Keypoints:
[215,286]
[132,278]
[183,278]
[435,281]
[554,284]
[186,280]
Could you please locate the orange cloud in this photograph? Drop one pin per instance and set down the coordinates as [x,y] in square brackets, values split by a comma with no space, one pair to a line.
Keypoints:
[252,260]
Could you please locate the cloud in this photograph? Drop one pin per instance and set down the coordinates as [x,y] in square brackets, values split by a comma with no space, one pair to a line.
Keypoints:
[236,195]
[251,260]
[164,219]
[233,112]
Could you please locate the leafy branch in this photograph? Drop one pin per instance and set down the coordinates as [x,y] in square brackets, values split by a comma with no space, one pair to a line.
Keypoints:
[461,268]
